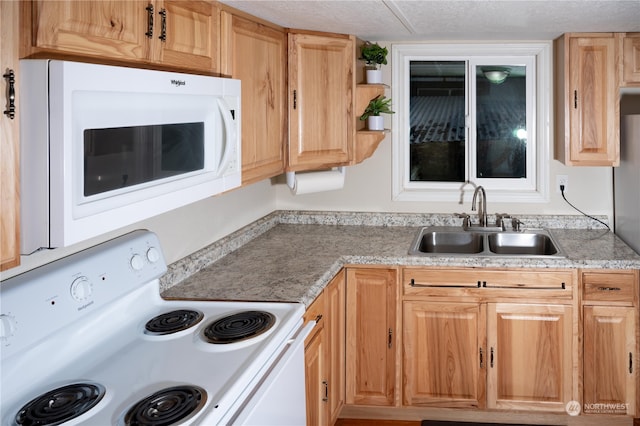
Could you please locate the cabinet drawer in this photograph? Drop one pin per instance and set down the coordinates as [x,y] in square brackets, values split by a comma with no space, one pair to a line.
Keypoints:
[612,286]
[415,279]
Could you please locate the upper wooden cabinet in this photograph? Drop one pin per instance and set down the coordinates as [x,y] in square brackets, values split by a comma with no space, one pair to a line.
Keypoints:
[9,140]
[587,99]
[178,34]
[256,54]
[631,59]
[321,94]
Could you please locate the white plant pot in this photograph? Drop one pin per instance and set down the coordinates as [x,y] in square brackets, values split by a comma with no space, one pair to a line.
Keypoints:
[375,122]
[374,76]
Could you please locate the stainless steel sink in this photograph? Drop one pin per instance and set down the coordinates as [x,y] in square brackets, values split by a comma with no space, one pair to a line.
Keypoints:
[451,242]
[432,241]
[524,243]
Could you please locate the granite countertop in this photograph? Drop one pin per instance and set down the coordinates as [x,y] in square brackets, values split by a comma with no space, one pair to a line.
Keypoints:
[280,259]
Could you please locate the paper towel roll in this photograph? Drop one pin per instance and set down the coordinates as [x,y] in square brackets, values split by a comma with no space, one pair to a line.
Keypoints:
[310,182]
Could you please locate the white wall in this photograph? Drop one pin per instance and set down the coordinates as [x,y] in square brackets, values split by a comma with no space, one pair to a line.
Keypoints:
[368,187]
[182,231]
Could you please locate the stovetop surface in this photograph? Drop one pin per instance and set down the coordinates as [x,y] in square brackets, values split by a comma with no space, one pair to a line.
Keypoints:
[106,343]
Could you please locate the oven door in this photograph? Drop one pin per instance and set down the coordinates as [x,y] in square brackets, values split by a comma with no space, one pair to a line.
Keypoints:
[279,397]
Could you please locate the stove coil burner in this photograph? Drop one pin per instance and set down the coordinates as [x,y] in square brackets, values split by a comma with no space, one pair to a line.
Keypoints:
[173,321]
[167,407]
[238,327]
[60,405]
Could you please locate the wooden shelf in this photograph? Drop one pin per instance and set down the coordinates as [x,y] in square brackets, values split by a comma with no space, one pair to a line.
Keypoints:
[367,142]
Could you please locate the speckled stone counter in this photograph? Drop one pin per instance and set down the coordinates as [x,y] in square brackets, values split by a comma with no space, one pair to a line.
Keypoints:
[291,256]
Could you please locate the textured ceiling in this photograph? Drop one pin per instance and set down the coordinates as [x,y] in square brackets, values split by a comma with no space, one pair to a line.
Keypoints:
[412,20]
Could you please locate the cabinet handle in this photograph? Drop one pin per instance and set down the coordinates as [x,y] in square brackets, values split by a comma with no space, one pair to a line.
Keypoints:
[575,99]
[390,339]
[149,32]
[491,358]
[481,359]
[609,288]
[295,99]
[630,363]
[318,318]
[11,100]
[163,25]
[326,391]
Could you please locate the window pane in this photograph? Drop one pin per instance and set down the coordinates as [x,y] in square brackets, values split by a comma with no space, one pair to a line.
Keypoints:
[501,131]
[437,119]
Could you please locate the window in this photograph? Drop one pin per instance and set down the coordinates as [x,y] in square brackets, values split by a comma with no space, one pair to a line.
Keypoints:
[478,113]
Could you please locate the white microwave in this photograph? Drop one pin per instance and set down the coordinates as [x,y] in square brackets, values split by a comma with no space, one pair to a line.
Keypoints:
[103,147]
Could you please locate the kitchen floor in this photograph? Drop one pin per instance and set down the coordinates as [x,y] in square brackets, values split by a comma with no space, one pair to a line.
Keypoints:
[361,422]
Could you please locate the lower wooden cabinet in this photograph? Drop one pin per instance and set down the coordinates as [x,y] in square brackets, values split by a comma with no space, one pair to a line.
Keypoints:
[609,360]
[444,359]
[518,355]
[530,356]
[527,341]
[324,354]
[610,352]
[372,342]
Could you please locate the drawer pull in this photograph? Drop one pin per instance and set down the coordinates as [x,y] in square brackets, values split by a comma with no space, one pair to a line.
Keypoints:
[630,363]
[481,359]
[609,288]
[11,98]
[163,25]
[390,339]
[326,391]
[491,358]
[318,318]
[149,10]
[413,283]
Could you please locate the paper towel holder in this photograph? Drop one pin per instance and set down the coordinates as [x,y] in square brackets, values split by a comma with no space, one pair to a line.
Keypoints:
[291,176]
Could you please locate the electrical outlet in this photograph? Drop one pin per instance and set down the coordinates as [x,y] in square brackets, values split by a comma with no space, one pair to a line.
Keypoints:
[562,180]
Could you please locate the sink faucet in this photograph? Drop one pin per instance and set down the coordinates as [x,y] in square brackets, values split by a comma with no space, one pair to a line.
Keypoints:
[482,209]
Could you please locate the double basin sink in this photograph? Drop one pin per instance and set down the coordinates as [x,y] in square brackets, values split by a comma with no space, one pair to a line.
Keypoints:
[484,242]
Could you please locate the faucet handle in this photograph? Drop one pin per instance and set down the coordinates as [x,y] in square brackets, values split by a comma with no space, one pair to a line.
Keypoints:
[500,220]
[515,224]
[466,219]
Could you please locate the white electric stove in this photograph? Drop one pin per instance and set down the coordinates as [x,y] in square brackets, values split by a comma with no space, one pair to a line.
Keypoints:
[88,340]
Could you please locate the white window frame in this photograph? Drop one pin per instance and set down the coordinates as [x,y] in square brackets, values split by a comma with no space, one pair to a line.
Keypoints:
[533,189]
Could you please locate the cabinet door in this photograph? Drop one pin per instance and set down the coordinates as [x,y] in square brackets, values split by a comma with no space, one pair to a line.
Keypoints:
[609,360]
[594,115]
[315,381]
[631,60]
[257,54]
[371,336]
[113,29]
[335,302]
[9,140]
[444,357]
[321,92]
[530,356]
[191,34]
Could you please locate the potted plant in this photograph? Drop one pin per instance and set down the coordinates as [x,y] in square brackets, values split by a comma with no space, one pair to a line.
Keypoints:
[374,55]
[378,105]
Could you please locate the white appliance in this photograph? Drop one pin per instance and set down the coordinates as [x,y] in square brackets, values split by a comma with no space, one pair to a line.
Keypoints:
[104,147]
[87,340]
[626,182]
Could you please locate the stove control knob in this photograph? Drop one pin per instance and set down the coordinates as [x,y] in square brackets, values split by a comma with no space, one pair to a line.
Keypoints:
[81,289]
[153,255]
[136,262]
[7,326]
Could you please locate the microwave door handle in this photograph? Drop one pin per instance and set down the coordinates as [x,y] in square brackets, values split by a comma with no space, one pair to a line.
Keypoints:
[230,135]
